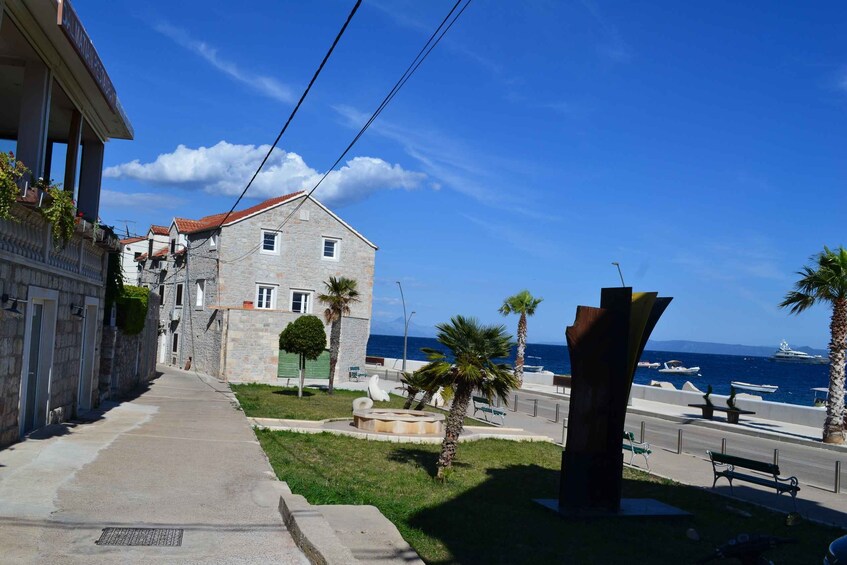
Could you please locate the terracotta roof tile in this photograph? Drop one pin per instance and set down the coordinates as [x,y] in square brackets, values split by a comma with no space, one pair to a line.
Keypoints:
[129,240]
[159,230]
[142,257]
[185,225]
[163,252]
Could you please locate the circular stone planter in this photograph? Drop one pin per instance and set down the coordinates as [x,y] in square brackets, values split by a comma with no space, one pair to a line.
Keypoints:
[396,421]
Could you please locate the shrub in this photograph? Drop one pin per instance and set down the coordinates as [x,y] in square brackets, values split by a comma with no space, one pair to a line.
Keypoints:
[132,309]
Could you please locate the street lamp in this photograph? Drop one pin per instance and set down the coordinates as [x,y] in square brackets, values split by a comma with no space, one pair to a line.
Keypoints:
[618,265]
[405,324]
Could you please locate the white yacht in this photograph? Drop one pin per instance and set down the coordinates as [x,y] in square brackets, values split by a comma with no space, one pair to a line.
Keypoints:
[766,389]
[787,355]
[677,368]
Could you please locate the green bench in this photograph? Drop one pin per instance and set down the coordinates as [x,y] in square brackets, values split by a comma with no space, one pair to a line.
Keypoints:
[636,448]
[481,404]
[724,465]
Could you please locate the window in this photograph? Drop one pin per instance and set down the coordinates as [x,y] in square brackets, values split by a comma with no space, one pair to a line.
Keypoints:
[149,247]
[269,241]
[179,294]
[137,255]
[213,242]
[301,301]
[175,343]
[330,248]
[173,246]
[201,293]
[265,297]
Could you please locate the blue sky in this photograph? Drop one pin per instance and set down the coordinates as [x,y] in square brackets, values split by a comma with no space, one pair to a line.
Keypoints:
[701,146]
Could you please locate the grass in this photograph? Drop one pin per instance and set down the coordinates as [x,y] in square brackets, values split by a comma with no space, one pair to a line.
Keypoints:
[485,513]
[265,401]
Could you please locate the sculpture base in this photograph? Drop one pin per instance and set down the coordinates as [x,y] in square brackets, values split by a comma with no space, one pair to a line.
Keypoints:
[630,508]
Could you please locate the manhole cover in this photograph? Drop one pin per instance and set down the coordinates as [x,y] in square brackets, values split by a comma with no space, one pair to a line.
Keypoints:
[141,536]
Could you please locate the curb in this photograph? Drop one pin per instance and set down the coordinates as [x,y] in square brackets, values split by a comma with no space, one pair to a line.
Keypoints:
[312,532]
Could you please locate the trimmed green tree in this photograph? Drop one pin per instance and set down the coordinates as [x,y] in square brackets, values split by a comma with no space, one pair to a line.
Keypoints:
[524,304]
[306,337]
[474,348]
[826,281]
[340,294]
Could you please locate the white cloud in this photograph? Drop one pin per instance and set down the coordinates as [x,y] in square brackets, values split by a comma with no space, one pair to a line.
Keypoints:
[136,200]
[226,168]
[266,85]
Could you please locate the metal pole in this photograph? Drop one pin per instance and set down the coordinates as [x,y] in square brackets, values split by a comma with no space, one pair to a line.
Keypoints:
[776,457]
[679,442]
[837,477]
[557,413]
[563,431]
[723,446]
[405,324]
[535,408]
[643,429]
[618,265]
[515,406]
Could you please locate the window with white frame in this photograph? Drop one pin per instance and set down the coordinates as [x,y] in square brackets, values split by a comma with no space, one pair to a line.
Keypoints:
[331,248]
[200,293]
[301,301]
[270,242]
[178,298]
[265,296]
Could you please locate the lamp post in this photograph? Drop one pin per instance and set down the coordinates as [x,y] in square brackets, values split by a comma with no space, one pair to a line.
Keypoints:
[405,324]
[618,265]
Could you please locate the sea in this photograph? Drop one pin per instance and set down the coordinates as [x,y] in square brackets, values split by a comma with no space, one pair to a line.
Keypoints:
[795,381]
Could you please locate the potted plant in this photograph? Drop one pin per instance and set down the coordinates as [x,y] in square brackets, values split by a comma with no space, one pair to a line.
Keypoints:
[731,400]
[708,408]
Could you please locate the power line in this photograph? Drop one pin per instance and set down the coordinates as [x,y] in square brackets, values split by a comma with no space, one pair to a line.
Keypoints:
[427,48]
[294,111]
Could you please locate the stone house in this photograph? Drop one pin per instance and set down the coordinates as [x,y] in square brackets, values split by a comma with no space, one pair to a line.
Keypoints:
[227,290]
[58,108]
[132,248]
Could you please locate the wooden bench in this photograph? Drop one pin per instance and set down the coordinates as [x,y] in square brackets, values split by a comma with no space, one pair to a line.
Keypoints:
[636,448]
[481,404]
[724,465]
[732,414]
[354,374]
[561,381]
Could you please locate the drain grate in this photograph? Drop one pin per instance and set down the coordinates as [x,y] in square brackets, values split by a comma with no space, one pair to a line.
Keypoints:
[141,536]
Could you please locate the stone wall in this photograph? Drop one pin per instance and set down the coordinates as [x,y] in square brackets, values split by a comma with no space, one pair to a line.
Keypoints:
[129,361]
[252,344]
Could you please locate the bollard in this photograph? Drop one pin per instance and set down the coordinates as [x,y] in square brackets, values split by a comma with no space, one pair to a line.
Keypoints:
[563,431]
[679,442]
[535,408]
[557,413]
[723,446]
[837,477]
[515,407]
[643,429]
[776,457]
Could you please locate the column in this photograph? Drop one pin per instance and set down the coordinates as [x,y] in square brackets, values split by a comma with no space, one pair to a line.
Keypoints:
[88,201]
[34,117]
[72,155]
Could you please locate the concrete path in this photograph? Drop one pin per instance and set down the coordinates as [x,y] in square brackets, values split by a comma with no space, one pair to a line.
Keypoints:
[180,455]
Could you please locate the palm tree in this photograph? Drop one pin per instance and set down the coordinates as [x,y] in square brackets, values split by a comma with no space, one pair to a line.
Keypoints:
[826,281]
[473,347]
[522,303]
[340,294]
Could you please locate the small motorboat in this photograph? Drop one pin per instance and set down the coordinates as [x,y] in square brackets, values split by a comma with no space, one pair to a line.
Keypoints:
[648,365]
[766,389]
[677,368]
[533,368]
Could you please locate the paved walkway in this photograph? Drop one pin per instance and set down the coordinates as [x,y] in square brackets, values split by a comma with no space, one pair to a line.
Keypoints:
[177,456]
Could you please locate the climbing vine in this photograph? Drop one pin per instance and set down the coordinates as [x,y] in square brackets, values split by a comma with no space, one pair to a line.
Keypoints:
[61,212]
[11,171]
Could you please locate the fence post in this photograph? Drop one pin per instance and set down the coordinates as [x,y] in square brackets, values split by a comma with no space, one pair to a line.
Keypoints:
[535,408]
[837,477]
[679,442]
[723,446]
[515,407]
[776,457]
[643,429]
[557,413]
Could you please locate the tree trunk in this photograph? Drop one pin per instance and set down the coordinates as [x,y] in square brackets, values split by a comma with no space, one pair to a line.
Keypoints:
[302,376]
[411,397]
[521,349]
[425,400]
[833,427]
[453,428]
[334,346]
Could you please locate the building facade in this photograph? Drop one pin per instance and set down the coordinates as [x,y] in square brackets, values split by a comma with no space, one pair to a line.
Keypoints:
[58,108]
[228,290]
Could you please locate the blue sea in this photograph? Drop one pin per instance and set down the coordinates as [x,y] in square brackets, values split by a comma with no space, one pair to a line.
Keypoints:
[794,381]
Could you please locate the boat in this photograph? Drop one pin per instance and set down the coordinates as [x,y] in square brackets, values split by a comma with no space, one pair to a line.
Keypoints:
[648,365]
[766,389]
[533,368]
[787,355]
[677,368]
[821,394]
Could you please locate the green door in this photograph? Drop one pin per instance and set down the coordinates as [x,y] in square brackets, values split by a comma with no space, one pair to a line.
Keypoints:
[317,369]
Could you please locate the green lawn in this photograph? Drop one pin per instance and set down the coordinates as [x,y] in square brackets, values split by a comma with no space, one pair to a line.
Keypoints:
[485,513]
[265,401]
